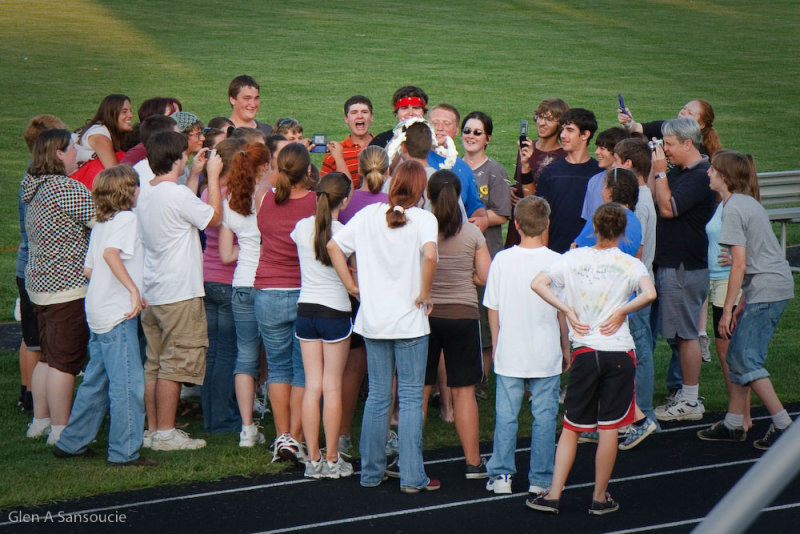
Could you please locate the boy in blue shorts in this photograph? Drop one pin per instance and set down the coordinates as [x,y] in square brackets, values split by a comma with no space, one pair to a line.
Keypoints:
[524,357]
[597,282]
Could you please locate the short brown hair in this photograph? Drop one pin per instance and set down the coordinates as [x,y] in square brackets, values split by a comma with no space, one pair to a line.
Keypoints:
[239,83]
[636,150]
[39,124]
[532,214]
[418,140]
[609,221]
[114,190]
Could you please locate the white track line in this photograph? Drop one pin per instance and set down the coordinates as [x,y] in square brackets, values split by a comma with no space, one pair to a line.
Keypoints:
[356,519]
[305,480]
[649,528]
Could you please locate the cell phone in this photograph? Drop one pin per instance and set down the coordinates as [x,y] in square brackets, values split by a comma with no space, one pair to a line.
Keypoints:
[523,132]
[622,104]
[320,142]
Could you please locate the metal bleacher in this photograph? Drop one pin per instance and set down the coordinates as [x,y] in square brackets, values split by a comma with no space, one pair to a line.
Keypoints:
[781,188]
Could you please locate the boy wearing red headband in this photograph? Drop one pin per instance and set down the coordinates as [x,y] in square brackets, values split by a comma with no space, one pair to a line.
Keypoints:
[408,101]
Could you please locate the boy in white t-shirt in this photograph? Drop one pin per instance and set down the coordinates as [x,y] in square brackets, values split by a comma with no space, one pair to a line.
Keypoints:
[174,324]
[114,376]
[597,285]
[528,350]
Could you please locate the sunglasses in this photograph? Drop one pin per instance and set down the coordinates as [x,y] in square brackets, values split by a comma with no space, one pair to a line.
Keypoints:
[476,132]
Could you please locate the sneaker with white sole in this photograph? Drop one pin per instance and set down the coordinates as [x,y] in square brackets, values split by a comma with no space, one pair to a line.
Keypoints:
[680,410]
[38,428]
[589,437]
[705,351]
[476,472]
[720,432]
[392,443]
[537,490]
[636,434]
[292,450]
[345,446]
[499,484]
[177,440]
[769,439]
[314,469]
[250,436]
[55,434]
[337,469]
[147,439]
[392,469]
[276,445]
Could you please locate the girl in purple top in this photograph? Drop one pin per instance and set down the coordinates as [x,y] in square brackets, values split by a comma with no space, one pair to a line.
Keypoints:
[373,165]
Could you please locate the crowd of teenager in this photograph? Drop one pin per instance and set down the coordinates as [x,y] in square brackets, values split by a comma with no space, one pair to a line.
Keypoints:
[173,253]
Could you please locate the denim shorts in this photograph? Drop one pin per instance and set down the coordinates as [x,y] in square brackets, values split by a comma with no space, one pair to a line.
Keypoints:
[329,330]
[747,351]
[276,311]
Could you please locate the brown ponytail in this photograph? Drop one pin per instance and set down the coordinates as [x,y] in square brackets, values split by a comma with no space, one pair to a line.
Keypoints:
[331,192]
[405,190]
[293,162]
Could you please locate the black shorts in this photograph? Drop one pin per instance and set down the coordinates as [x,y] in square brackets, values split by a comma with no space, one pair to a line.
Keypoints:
[600,392]
[30,325]
[356,340]
[64,335]
[716,313]
[461,343]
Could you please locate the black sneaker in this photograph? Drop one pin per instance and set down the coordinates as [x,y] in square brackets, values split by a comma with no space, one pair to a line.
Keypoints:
[602,508]
[476,472]
[719,432]
[61,453]
[769,438]
[392,469]
[541,504]
[141,461]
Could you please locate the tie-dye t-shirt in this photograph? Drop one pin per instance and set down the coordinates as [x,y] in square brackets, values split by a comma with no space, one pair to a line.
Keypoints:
[597,282]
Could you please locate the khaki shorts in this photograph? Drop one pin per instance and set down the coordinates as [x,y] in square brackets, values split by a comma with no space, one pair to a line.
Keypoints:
[177,339]
[719,289]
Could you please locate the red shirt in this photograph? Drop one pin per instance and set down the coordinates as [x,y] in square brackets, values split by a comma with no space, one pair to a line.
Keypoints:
[278,266]
[351,153]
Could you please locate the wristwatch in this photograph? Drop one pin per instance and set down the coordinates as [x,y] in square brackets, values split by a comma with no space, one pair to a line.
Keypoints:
[661,175]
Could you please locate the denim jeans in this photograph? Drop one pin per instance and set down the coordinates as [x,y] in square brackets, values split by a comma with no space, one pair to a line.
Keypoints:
[639,323]
[276,310]
[747,351]
[410,357]
[220,411]
[114,373]
[544,408]
[248,340]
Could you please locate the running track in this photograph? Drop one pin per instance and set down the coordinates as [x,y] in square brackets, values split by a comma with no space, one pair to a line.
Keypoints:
[666,485]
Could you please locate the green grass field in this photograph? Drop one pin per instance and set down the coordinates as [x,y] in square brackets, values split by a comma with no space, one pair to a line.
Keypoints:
[500,57]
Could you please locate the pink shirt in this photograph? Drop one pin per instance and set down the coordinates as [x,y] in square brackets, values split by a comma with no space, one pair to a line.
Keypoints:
[279,266]
[213,268]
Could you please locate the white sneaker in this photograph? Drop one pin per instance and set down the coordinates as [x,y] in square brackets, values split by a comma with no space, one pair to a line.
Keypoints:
[291,450]
[38,428]
[392,443]
[178,440]
[250,436]
[276,445]
[190,391]
[705,351]
[314,469]
[337,469]
[55,434]
[500,484]
[147,439]
[345,446]
[680,410]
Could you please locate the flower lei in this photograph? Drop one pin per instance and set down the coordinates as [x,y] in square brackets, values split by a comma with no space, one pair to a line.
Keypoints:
[448,152]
